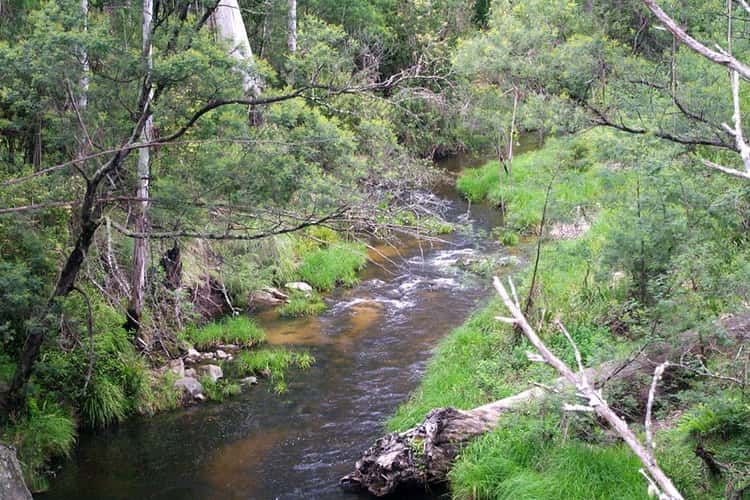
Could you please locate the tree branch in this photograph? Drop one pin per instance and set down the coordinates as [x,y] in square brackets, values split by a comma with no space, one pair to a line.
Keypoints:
[596,401]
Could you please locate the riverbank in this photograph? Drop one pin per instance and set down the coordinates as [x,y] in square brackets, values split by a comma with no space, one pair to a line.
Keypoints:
[375,336]
[219,352]
[593,283]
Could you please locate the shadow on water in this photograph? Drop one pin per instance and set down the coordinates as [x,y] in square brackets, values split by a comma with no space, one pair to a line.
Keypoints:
[371,347]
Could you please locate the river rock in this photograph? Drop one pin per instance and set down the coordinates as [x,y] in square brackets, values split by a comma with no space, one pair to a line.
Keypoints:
[191,388]
[249,381]
[212,371]
[266,298]
[299,286]
[12,486]
[190,372]
[221,354]
[192,356]
[177,366]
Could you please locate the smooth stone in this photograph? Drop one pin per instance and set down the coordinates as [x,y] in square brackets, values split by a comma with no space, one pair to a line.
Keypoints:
[190,372]
[212,371]
[190,387]
[262,299]
[249,381]
[300,286]
[221,354]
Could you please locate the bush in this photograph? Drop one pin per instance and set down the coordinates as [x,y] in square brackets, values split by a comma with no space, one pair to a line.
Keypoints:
[239,330]
[338,264]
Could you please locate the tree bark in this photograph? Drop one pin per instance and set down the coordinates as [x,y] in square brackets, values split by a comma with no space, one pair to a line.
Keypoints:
[140,244]
[291,40]
[227,20]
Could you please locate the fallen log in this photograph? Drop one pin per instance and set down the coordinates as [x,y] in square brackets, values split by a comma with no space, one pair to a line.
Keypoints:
[423,455]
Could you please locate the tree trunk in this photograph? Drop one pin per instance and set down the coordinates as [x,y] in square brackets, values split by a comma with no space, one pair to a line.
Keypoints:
[291,41]
[140,245]
[423,455]
[227,20]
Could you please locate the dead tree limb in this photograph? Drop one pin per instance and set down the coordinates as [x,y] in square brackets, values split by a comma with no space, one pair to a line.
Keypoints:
[595,399]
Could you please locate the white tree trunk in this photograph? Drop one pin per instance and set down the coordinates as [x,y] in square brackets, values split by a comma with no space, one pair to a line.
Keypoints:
[83,82]
[227,20]
[291,41]
[140,245]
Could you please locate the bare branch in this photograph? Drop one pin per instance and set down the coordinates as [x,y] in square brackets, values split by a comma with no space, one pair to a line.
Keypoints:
[595,398]
[719,58]
[658,372]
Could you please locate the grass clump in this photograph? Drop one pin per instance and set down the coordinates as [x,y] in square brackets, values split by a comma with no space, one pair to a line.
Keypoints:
[526,457]
[301,305]
[335,265]
[219,390]
[271,362]
[238,330]
[45,431]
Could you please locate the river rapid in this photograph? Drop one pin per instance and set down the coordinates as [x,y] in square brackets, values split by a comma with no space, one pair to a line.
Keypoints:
[371,348]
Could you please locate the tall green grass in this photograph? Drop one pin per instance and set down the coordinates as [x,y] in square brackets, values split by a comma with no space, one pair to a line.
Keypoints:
[238,330]
[301,305]
[47,430]
[527,458]
[337,264]
[577,183]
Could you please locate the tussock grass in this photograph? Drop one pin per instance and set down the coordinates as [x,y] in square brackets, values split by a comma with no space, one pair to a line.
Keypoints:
[270,361]
[47,430]
[337,264]
[238,330]
[527,458]
[300,305]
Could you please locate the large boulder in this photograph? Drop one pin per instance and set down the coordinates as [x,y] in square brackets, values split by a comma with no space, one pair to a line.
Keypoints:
[12,486]
[191,388]
[212,371]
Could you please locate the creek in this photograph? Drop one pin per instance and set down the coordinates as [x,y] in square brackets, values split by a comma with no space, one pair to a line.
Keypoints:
[371,347]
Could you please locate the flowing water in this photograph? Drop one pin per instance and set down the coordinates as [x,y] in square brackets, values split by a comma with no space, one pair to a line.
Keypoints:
[371,348]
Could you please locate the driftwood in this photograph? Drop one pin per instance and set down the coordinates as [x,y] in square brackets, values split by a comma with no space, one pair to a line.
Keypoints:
[423,455]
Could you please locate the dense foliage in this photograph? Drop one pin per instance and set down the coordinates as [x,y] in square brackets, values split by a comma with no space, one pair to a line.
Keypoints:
[274,163]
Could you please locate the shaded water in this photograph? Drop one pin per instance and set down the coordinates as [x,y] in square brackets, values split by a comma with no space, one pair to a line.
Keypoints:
[371,347]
